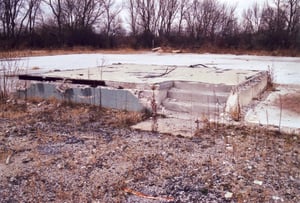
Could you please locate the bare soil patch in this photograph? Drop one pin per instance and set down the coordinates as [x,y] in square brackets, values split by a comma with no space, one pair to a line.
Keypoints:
[58,152]
[290,102]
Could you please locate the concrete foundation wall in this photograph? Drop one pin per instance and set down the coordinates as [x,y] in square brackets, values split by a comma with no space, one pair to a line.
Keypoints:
[105,97]
[246,92]
[253,90]
[160,93]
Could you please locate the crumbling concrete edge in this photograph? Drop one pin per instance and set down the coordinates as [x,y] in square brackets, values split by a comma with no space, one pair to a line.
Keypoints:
[244,93]
[106,97]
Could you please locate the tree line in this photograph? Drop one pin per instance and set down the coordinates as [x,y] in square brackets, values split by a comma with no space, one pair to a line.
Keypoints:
[148,23]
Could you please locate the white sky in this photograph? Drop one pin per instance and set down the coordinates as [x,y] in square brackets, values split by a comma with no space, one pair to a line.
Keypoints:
[241,4]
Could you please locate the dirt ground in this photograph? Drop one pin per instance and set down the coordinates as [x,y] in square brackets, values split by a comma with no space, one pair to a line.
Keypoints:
[54,152]
[290,102]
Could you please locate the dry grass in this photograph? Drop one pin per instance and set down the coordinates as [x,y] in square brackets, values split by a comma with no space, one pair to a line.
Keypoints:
[126,119]
[90,50]
[12,110]
[75,50]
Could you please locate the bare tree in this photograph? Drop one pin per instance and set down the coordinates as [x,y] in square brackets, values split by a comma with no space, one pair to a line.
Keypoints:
[57,10]
[191,18]
[12,18]
[71,17]
[33,7]
[82,14]
[110,19]
[166,15]
[251,18]
[206,18]
[183,5]
[132,7]
[293,20]
[2,18]
[90,12]
[229,27]
[147,12]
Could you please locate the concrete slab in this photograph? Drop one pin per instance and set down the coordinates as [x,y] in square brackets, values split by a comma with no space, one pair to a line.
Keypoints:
[151,74]
[183,94]
[270,112]
[173,126]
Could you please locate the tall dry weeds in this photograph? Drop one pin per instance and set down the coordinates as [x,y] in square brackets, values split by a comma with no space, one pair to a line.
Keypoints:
[9,69]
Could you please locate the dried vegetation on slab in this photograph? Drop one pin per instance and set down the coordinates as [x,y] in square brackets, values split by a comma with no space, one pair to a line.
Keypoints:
[62,152]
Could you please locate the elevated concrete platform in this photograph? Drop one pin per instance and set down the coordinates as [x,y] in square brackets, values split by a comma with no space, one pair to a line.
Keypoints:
[145,75]
[182,93]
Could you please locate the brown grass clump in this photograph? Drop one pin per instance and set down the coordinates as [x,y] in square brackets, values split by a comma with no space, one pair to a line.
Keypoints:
[13,109]
[127,119]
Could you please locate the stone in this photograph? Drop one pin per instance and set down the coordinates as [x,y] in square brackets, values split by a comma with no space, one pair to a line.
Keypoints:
[27,160]
[257,182]
[276,198]
[228,195]
[8,159]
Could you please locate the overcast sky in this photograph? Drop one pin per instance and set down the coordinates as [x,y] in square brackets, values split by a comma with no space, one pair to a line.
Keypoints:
[241,4]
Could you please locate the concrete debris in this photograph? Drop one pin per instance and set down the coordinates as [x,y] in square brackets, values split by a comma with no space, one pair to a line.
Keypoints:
[228,195]
[276,198]
[157,49]
[177,51]
[257,182]
[8,159]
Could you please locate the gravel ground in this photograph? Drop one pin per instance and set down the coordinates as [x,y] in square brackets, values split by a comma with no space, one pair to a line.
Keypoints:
[53,152]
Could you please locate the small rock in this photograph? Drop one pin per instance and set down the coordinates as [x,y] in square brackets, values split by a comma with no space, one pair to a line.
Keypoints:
[228,195]
[257,182]
[276,198]
[156,49]
[176,51]
[60,166]
[27,160]
[8,159]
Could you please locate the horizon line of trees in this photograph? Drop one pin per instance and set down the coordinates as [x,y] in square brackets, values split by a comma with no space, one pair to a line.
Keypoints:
[148,23]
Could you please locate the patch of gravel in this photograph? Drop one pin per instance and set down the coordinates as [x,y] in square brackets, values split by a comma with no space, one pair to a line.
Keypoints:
[77,153]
